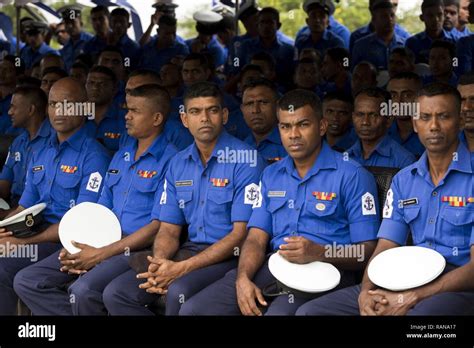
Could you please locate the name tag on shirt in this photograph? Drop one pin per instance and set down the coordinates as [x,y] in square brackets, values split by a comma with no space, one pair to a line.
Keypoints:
[182,183]
[113,171]
[276,194]
[38,169]
[407,202]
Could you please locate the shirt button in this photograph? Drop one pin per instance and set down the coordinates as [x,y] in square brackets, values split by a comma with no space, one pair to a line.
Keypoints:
[200,228]
[431,220]
[298,209]
[202,202]
[204,175]
[435,193]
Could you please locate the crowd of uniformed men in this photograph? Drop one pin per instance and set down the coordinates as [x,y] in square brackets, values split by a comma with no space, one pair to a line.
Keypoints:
[170,148]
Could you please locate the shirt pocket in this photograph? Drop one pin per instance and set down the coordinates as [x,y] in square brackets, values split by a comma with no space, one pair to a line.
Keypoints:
[410,216]
[456,226]
[68,186]
[220,204]
[321,217]
[143,193]
[280,218]
[184,200]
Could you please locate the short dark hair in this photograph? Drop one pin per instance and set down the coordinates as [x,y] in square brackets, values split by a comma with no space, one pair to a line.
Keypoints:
[250,67]
[101,8]
[54,70]
[374,92]
[270,10]
[439,88]
[408,76]
[80,65]
[337,95]
[157,94]
[261,82]
[112,49]
[35,95]
[19,70]
[446,45]
[431,3]
[405,53]
[266,57]
[145,72]
[452,2]
[467,79]
[120,12]
[203,89]
[299,98]
[167,20]
[104,70]
[28,81]
[338,55]
[203,62]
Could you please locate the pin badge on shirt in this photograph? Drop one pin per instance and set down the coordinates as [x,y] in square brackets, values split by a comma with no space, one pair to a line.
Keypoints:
[219,182]
[68,169]
[321,206]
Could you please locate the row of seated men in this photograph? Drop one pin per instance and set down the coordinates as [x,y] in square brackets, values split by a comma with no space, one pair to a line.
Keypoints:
[444,21]
[239,209]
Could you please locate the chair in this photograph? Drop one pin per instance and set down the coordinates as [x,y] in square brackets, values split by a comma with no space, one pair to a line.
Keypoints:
[383,177]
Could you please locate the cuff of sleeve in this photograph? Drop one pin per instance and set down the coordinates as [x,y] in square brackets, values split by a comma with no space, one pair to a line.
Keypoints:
[363,231]
[395,231]
[171,218]
[241,212]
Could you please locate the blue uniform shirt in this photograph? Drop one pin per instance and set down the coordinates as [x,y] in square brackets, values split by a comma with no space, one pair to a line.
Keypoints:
[453,80]
[20,154]
[133,189]
[6,48]
[110,129]
[347,140]
[463,139]
[328,40]
[335,27]
[412,143]
[270,148]
[214,48]
[71,49]
[335,202]
[372,49]
[465,54]
[439,217]
[66,174]
[153,58]
[282,52]
[5,119]
[369,29]
[387,153]
[130,49]
[210,199]
[420,45]
[30,57]
[94,46]
[464,33]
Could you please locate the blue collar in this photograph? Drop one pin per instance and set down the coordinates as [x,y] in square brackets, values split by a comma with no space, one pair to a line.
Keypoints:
[75,141]
[222,141]
[463,163]
[156,149]
[382,148]
[325,160]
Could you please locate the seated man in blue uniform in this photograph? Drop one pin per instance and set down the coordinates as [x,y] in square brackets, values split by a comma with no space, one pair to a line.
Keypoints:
[132,190]
[28,112]
[161,49]
[335,71]
[36,48]
[9,73]
[107,124]
[174,130]
[310,201]
[441,61]
[259,104]
[371,123]
[205,180]
[433,199]
[404,88]
[376,47]
[68,171]
[319,37]
[100,20]
[337,111]
[432,15]
[77,38]
[119,23]
[466,88]
[370,28]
